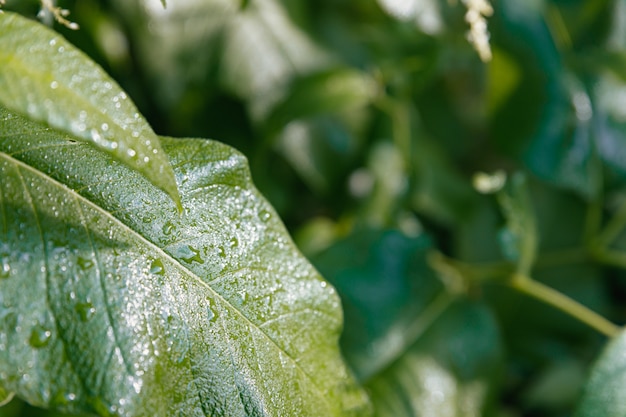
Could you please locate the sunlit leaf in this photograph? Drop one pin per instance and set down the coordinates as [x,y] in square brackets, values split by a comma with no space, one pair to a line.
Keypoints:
[604,392]
[113,303]
[322,93]
[449,371]
[46,78]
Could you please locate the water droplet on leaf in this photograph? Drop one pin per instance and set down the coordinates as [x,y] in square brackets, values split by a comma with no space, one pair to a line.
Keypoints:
[156,267]
[84,264]
[5,268]
[212,313]
[85,310]
[190,254]
[39,336]
[168,227]
[265,215]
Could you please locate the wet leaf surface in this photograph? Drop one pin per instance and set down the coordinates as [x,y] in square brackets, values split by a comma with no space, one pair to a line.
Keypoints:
[112,302]
[48,79]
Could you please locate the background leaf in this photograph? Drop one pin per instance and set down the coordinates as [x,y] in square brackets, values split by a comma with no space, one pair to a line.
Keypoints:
[377,321]
[449,371]
[46,78]
[114,303]
[604,391]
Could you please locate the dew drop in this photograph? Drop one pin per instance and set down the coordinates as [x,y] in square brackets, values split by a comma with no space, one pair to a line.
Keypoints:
[156,267]
[39,336]
[53,42]
[323,284]
[5,268]
[190,254]
[168,227]
[63,398]
[54,85]
[265,215]
[242,297]
[84,264]
[131,152]
[61,49]
[212,313]
[104,127]
[85,310]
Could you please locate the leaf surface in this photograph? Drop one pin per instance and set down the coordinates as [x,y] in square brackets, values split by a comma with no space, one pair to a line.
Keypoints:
[604,391]
[113,303]
[46,78]
[450,371]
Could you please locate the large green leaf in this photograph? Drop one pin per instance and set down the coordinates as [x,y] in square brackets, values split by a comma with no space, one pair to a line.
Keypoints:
[45,77]
[448,372]
[604,394]
[112,302]
[418,350]
[385,285]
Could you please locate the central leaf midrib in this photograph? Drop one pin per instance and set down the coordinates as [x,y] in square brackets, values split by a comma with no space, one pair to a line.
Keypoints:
[174,260]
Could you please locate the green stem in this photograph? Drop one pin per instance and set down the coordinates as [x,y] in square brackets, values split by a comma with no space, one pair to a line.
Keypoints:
[613,228]
[415,330]
[567,305]
[562,257]
[611,257]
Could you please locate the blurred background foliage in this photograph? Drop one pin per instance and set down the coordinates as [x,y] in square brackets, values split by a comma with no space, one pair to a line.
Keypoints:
[364,123]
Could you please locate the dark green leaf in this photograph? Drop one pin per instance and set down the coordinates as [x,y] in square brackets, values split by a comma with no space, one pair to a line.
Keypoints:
[604,394]
[385,284]
[322,93]
[518,239]
[46,78]
[449,371]
[113,303]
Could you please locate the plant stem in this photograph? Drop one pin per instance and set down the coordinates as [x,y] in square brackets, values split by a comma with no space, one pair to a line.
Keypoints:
[611,257]
[562,302]
[613,228]
[414,331]
[561,257]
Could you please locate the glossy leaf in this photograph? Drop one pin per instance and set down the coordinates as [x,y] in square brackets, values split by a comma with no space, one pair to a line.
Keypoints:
[385,285]
[46,78]
[417,350]
[519,240]
[322,93]
[449,371]
[604,393]
[114,303]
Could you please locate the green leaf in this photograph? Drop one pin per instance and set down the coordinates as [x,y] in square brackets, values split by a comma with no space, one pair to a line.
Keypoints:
[46,78]
[322,93]
[113,303]
[604,393]
[518,239]
[385,284]
[449,371]
[5,396]
[418,351]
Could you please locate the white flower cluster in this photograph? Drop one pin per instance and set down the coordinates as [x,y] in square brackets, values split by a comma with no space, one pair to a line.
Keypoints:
[49,7]
[478,34]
